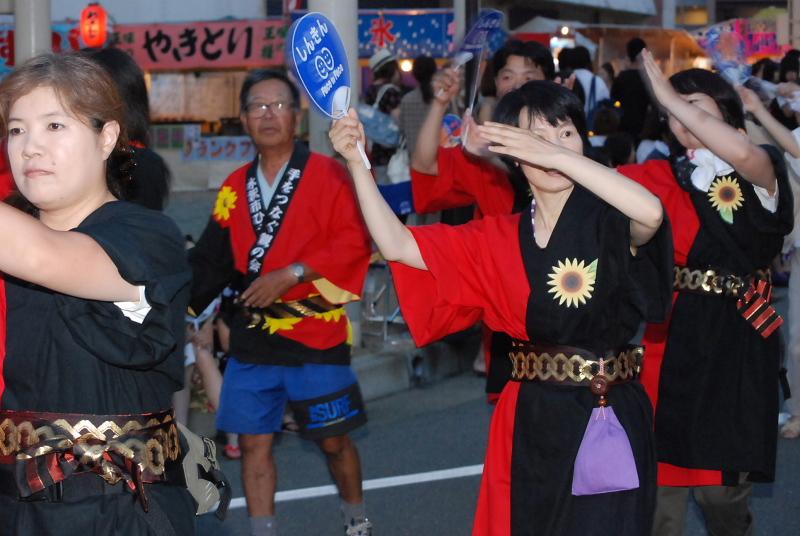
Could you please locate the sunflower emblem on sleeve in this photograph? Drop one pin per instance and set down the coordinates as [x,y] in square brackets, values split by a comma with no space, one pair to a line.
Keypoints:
[226,201]
[572,282]
[726,196]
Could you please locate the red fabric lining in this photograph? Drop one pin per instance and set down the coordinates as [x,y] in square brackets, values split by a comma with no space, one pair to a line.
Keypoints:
[462,181]
[463,283]
[6,180]
[2,336]
[493,515]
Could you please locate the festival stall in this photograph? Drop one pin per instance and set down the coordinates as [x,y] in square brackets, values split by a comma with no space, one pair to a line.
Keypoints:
[194,71]
[66,36]
[749,40]
[675,49]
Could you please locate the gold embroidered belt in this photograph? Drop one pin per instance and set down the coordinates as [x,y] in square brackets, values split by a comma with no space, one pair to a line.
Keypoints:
[48,448]
[573,366]
[713,282]
[754,293]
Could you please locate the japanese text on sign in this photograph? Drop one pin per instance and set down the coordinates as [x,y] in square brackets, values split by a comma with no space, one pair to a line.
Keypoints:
[247,43]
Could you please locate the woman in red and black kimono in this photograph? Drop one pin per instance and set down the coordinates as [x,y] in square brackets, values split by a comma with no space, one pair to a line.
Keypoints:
[712,368]
[569,278]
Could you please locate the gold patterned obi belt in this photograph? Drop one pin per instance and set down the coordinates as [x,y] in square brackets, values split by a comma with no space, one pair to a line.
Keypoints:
[47,448]
[305,308]
[574,366]
[753,293]
[716,282]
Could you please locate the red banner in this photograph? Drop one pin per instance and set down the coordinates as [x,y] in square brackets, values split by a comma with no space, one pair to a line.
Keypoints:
[65,37]
[204,45]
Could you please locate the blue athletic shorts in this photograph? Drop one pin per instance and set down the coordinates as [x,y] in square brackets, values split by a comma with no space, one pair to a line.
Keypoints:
[325,399]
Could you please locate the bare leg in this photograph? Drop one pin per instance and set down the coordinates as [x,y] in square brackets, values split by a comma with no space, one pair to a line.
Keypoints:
[182,398]
[259,474]
[224,334]
[345,466]
[210,374]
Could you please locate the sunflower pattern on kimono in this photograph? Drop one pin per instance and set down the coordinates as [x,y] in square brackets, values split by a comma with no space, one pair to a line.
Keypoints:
[572,282]
[726,196]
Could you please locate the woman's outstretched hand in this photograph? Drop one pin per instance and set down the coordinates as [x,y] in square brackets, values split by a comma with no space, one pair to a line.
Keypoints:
[522,145]
[345,133]
[659,85]
[750,100]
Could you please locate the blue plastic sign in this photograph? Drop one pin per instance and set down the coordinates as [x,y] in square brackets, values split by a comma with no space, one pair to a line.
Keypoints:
[319,62]
[489,22]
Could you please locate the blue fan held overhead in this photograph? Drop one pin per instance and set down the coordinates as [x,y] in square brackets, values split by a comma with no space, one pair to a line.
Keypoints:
[475,45]
[319,61]
[728,51]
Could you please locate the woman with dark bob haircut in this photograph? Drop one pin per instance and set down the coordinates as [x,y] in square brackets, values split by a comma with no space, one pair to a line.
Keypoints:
[150,179]
[712,369]
[569,279]
[95,292]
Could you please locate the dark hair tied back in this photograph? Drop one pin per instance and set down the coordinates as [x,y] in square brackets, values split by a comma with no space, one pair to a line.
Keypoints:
[121,163]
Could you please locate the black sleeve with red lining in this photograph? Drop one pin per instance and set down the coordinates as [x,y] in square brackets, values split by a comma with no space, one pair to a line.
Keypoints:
[212,265]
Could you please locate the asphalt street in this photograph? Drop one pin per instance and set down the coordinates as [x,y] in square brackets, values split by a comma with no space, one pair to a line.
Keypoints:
[438,427]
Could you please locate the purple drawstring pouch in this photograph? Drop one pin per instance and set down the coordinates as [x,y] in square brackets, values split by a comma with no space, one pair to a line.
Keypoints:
[605,459]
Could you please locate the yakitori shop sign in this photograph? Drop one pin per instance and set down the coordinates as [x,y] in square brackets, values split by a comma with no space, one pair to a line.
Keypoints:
[204,45]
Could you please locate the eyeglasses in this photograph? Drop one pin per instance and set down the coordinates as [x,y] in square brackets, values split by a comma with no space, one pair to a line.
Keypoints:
[258,110]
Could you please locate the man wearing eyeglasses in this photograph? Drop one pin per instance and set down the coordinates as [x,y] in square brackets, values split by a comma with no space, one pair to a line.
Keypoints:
[286,234]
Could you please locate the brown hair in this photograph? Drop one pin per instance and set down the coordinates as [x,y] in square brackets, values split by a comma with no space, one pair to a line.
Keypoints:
[86,91]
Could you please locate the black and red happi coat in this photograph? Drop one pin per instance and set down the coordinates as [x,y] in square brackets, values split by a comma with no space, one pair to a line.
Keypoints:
[583,289]
[712,378]
[321,228]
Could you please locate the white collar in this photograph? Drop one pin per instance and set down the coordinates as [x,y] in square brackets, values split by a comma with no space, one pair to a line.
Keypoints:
[709,166]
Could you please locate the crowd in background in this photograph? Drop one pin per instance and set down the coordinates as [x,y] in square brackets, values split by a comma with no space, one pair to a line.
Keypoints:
[624,124]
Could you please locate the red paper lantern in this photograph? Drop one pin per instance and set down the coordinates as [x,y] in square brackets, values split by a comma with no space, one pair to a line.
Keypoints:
[94,27]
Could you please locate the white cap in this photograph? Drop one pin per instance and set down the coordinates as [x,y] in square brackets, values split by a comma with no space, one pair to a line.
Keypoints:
[381,58]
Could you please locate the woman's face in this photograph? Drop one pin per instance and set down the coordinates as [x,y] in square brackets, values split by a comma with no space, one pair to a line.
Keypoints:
[682,134]
[57,160]
[563,135]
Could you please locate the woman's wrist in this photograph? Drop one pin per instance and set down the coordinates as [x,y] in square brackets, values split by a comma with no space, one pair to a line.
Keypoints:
[356,166]
[439,107]
[565,162]
[759,112]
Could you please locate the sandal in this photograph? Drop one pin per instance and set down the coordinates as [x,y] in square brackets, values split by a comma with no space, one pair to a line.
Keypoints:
[791,430]
[232,452]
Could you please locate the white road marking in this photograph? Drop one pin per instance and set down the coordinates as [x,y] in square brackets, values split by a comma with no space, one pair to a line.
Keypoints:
[376,483]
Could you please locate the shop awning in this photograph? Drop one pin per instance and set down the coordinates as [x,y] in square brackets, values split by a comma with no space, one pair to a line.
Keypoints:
[641,7]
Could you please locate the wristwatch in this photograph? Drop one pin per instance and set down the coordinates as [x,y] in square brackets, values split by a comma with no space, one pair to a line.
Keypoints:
[299,271]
